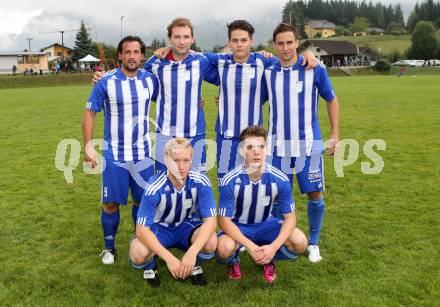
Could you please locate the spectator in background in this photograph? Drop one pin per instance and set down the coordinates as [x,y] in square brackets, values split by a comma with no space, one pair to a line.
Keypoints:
[14,70]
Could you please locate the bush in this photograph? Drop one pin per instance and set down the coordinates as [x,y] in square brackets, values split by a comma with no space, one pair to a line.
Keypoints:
[382,65]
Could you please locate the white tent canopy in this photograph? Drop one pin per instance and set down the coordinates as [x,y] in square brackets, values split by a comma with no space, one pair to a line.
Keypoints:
[89,58]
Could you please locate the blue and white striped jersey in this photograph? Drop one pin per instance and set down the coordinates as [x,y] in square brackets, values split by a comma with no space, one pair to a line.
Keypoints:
[293,108]
[242,92]
[248,202]
[126,103]
[163,204]
[178,111]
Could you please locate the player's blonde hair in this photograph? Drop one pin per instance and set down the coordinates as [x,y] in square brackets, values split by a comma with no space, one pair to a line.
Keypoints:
[177,144]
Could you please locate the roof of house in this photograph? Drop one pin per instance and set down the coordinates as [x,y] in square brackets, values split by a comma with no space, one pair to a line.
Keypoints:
[21,53]
[321,24]
[57,45]
[332,46]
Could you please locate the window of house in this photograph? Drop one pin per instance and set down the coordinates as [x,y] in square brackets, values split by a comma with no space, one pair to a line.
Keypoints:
[20,59]
[60,53]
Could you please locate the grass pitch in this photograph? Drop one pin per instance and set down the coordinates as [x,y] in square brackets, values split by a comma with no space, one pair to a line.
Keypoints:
[380,240]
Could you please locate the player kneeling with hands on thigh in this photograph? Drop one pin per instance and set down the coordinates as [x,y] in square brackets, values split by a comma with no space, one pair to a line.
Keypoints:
[247,195]
[177,210]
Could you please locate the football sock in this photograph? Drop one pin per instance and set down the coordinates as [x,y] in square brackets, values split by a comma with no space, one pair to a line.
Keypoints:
[134,213]
[315,215]
[284,254]
[110,223]
[202,257]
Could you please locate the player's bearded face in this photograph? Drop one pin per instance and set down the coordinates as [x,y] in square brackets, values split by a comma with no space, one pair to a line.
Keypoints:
[286,45]
[181,40]
[131,56]
[179,162]
[254,151]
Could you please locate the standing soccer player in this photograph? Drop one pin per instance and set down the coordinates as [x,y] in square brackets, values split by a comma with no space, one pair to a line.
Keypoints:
[125,95]
[171,214]
[247,196]
[178,110]
[294,131]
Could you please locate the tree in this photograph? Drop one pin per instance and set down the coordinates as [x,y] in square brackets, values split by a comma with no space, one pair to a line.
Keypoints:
[394,28]
[360,24]
[83,44]
[424,42]
[156,44]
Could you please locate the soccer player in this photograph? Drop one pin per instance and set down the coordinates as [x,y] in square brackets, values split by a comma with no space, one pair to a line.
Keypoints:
[177,210]
[125,95]
[293,125]
[178,110]
[247,196]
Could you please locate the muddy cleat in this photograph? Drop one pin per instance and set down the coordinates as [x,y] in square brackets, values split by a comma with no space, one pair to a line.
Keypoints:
[108,256]
[234,271]
[151,277]
[314,254]
[269,273]
[197,277]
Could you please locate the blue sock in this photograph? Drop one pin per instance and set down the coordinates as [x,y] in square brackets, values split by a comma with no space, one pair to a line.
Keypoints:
[315,215]
[110,223]
[134,213]
[149,265]
[285,254]
[202,257]
[231,260]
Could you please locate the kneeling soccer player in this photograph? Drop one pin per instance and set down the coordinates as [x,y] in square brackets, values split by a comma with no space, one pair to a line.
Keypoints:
[247,195]
[171,214]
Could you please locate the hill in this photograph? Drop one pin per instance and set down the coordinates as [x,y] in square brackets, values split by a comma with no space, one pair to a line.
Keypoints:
[382,43]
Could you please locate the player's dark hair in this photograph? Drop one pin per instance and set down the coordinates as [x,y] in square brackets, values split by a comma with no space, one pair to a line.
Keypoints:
[240,25]
[129,39]
[179,22]
[284,27]
[253,131]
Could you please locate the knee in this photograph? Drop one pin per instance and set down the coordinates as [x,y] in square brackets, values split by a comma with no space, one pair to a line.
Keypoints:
[138,252]
[211,245]
[297,241]
[110,208]
[316,195]
[225,247]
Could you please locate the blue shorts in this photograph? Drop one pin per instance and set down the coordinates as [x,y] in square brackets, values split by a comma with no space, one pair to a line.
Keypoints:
[179,236]
[261,233]
[119,176]
[199,158]
[309,171]
[228,156]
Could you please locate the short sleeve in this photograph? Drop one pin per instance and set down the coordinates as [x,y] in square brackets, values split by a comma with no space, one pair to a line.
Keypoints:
[97,97]
[149,63]
[205,201]
[285,199]
[155,89]
[147,209]
[226,201]
[323,83]
[210,72]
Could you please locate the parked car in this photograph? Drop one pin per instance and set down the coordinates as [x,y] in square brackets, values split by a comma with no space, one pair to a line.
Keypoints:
[401,63]
[416,63]
[432,62]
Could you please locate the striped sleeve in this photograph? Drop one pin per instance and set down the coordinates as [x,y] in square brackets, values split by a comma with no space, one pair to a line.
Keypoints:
[205,201]
[97,97]
[323,83]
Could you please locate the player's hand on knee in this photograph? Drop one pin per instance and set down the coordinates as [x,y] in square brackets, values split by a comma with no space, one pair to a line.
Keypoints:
[97,76]
[267,252]
[255,252]
[173,266]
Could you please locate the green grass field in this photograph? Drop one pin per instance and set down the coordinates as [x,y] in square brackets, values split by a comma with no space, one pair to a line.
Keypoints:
[380,240]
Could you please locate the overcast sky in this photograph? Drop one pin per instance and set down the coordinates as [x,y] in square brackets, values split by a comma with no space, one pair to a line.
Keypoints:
[22,19]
